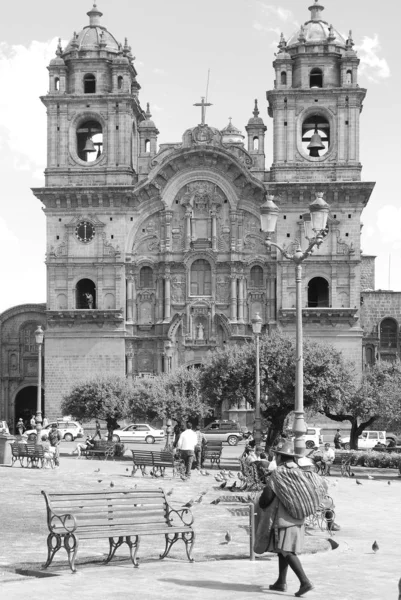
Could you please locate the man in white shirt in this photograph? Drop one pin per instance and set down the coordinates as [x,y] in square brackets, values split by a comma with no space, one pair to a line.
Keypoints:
[186,444]
[328,456]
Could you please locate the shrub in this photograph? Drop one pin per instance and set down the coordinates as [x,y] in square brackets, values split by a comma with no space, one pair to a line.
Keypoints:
[384,460]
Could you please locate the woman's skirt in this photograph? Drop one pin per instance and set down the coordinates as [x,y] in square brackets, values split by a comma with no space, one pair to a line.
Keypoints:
[288,539]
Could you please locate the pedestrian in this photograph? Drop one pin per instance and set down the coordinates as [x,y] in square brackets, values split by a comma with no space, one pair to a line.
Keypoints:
[20,426]
[186,445]
[110,428]
[83,446]
[48,450]
[200,447]
[32,422]
[55,439]
[45,422]
[337,440]
[278,529]
[97,432]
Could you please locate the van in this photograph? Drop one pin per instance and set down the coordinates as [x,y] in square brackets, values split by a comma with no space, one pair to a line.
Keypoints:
[313,437]
[366,441]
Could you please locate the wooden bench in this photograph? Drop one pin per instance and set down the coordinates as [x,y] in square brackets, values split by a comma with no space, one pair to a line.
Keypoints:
[158,461]
[121,516]
[101,448]
[33,454]
[213,452]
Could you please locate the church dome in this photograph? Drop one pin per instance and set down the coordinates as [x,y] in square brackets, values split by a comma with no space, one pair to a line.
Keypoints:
[232,135]
[256,120]
[147,123]
[316,31]
[93,36]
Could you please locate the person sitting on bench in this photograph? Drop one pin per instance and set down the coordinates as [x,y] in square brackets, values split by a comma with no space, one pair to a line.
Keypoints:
[327,459]
[83,446]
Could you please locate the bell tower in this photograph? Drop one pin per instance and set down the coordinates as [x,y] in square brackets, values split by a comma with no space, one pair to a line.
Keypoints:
[316,104]
[93,110]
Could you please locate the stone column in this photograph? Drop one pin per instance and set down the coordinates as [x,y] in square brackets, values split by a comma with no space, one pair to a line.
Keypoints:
[129,300]
[233,314]
[169,215]
[167,297]
[130,356]
[188,233]
[214,229]
[241,299]
[159,298]
[134,301]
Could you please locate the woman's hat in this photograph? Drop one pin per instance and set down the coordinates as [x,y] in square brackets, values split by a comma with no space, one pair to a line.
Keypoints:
[286,448]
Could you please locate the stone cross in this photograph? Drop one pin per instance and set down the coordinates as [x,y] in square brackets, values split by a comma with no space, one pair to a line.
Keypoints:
[203,105]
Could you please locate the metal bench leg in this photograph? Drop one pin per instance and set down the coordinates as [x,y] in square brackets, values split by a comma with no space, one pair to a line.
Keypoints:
[52,548]
[135,545]
[171,539]
[189,541]
[71,546]
[113,547]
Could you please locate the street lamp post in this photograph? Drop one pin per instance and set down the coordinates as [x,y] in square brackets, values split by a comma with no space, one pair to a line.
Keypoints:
[169,431]
[39,334]
[257,328]
[315,231]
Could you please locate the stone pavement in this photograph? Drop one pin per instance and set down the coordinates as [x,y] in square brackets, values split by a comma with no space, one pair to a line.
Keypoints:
[351,572]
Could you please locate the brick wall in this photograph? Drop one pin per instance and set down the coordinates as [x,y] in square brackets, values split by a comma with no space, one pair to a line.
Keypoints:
[378,305]
[368,273]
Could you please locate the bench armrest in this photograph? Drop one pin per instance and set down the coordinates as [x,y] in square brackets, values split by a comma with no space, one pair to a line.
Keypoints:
[184,514]
[55,521]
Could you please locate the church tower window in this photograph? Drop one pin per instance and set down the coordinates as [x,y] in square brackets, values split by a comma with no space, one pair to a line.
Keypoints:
[257,276]
[120,81]
[201,278]
[315,135]
[89,141]
[146,277]
[85,295]
[147,146]
[56,84]
[318,293]
[388,333]
[316,78]
[255,143]
[283,78]
[89,84]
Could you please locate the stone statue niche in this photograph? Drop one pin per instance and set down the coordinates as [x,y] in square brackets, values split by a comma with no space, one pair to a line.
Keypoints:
[201,331]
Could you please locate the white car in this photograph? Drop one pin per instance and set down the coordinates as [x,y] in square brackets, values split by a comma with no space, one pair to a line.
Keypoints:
[137,432]
[367,440]
[69,430]
[313,437]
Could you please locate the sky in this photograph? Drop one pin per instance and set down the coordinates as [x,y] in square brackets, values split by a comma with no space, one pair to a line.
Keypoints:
[175,43]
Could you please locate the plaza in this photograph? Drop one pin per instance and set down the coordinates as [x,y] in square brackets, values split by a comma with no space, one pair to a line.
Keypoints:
[366,513]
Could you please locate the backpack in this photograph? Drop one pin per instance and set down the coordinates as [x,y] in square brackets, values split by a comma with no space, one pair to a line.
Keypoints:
[300,493]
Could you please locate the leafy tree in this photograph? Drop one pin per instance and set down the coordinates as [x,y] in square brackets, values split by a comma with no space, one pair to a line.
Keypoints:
[377,397]
[229,374]
[101,398]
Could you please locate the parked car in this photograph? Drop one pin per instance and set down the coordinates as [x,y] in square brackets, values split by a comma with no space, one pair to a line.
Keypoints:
[70,430]
[137,432]
[313,437]
[367,440]
[4,427]
[223,431]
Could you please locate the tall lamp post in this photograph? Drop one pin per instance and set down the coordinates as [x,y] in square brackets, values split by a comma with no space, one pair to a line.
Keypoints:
[315,231]
[39,335]
[257,328]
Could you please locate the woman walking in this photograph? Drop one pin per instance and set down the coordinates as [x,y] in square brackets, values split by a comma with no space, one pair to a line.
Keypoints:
[281,515]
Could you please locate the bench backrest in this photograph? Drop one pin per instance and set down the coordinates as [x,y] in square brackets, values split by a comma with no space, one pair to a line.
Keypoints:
[146,509]
[163,459]
[102,444]
[142,457]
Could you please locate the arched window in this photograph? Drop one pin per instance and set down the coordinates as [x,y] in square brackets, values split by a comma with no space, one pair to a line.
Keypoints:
[256,143]
[316,78]
[201,278]
[348,77]
[89,141]
[315,135]
[388,333]
[318,293]
[283,78]
[89,84]
[147,145]
[56,84]
[370,356]
[257,276]
[146,277]
[120,81]
[85,295]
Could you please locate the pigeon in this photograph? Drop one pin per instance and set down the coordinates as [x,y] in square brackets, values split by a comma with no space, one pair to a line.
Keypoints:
[111,484]
[223,485]
[216,501]
[232,487]
[189,503]
[96,471]
[170,492]
[352,474]
[370,477]
[375,546]
[228,537]
[202,472]
[183,478]
[334,545]
[199,500]
[389,482]
[99,480]
[217,478]
[358,482]
[207,473]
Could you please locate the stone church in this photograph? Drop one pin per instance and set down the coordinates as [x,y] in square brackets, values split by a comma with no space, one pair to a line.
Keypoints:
[155,254]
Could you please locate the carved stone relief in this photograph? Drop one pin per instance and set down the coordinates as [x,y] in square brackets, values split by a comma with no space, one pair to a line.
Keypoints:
[147,240]
[223,288]
[178,288]
[253,240]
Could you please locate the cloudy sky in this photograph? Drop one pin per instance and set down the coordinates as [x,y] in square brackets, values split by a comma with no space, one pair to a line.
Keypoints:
[175,43]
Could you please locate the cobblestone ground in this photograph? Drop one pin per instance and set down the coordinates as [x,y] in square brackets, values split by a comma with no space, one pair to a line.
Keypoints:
[353,571]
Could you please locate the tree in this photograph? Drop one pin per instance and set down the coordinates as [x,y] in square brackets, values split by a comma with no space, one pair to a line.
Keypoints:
[229,374]
[377,397]
[102,398]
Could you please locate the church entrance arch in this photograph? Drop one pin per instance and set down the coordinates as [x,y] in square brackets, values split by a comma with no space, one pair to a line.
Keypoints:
[25,404]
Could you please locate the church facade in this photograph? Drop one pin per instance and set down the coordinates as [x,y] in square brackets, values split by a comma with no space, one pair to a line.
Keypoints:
[155,254]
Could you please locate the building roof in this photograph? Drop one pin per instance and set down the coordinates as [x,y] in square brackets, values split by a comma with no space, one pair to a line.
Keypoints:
[93,36]
[316,30]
